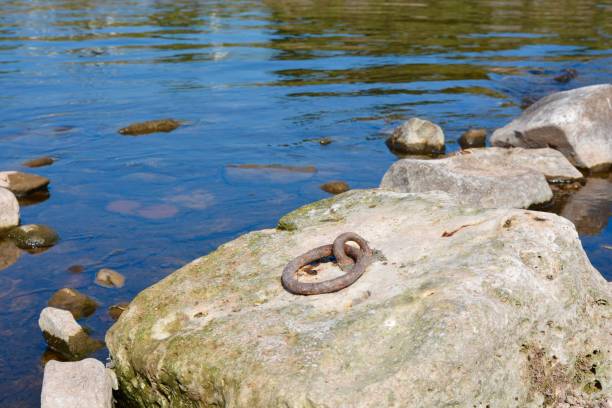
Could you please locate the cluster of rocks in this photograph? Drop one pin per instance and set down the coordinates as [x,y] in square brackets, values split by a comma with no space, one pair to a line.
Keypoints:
[471,300]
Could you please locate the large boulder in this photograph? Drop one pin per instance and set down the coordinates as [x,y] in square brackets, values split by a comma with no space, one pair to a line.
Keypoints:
[578,123]
[85,383]
[9,209]
[487,178]
[460,307]
[417,136]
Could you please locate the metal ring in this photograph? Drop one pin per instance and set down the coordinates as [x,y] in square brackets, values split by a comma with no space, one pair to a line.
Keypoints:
[339,244]
[360,260]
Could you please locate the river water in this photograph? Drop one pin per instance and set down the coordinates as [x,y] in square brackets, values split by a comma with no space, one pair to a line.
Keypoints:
[255,82]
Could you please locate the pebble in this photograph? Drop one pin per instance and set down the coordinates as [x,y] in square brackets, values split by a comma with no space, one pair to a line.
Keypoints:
[76,269]
[40,162]
[417,136]
[335,187]
[78,304]
[109,278]
[152,126]
[473,138]
[566,75]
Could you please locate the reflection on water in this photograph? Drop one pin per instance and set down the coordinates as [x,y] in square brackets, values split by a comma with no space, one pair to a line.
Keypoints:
[253,82]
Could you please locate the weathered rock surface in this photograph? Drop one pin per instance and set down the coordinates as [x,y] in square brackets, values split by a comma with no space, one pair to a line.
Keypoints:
[78,304]
[476,179]
[578,123]
[110,278]
[33,236]
[9,209]
[461,307]
[86,383]
[417,136]
[22,183]
[473,138]
[550,162]
[64,335]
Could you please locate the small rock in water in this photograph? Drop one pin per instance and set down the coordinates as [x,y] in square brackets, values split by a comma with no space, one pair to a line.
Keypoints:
[158,212]
[64,335]
[86,383]
[473,138]
[324,141]
[22,183]
[9,209]
[116,310]
[335,187]
[152,126]
[78,304]
[417,136]
[566,75]
[110,278]
[76,269]
[33,236]
[40,162]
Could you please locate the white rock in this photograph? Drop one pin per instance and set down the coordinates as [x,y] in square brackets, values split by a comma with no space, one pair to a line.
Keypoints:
[578,123]
[480,179]
[9,209]
[110,278]
[64,335]
[83,384]
[59,323]
[417,136]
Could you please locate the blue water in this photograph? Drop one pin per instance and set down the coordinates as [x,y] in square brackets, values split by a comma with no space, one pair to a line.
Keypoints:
[253,81]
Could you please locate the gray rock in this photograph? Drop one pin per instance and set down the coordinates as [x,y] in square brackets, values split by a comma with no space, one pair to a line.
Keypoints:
[9,209]
[550,162]
[33,236]
[578,123]
[78,304]
[460,307]
[110,278]
[85,383]
[417,136]
[22,183]
[64,335]
[480,180]
[473,138]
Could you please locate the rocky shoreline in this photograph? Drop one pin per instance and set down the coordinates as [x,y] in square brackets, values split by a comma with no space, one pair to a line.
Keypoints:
[473,297]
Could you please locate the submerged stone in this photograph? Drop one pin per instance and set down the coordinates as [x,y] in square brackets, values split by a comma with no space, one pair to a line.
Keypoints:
[40,162]
[417,136]
[152,126]
[78,304]
[335,187]
[576,122]
[110,278]
[64,335]
[33,236]
[461,307]
[87,383]
[9,210]
[22,183]
[9,253]
[115,311]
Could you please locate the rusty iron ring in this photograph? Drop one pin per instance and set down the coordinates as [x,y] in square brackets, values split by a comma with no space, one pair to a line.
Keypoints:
[352,260]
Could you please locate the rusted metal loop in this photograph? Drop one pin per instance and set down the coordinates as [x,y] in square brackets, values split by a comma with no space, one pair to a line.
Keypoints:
[359,258]
[345,262]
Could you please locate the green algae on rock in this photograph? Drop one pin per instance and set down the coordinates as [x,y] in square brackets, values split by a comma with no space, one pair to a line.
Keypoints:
[436,320]
[151,126]
[33,236]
